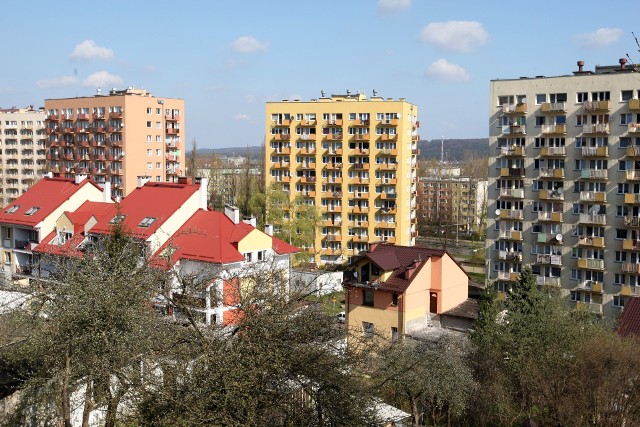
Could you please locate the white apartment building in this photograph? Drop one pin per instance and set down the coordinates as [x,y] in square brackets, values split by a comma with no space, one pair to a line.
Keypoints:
[564,184]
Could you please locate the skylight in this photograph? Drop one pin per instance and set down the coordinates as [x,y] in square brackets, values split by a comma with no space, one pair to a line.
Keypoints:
[117,219]
[32,210]
[12,209]
[146,222]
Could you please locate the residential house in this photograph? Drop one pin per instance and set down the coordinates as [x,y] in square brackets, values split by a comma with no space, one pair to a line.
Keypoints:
[396,290]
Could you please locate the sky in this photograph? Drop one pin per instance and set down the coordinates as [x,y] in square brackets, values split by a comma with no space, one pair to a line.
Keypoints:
[226,59]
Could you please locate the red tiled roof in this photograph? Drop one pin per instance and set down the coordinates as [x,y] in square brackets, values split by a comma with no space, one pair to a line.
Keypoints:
[210,236]
[281,247]
[629,321]
[157,200]
[48,194]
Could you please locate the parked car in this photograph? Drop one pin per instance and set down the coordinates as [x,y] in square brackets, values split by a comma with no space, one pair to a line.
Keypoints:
[342,317]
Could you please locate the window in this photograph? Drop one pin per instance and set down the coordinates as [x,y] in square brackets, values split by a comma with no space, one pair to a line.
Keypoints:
[625,142]
[367,329]
[540,120]
[248,257]
[146,222]
[158,111]
[394,299]
[626,95]
[117,219]
[541,98]
[149,124]
[626,118]
[394,333]
[32,210]
[149,138]
[158,165]
[12,209]
[368,297]
[619,300]
[149,110]
[158,152]
[582,97]
[149,152]
[149,165]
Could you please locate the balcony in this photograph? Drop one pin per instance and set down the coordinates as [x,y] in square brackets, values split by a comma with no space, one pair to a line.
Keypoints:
[510,235]
[333,238]
[387,166]
[359,209]
[597,105]
[115,114]
[333,166]
[631,245]
[594,174]
[596,128]
[595,151]
[360,238]
[514,151]
[548,281]
[281,137]
[511,214]
[334,208]
[554,129]
[360,166]
[596,219]
[519,108]
[388,239]
[632,221]
[388,196]
[549,238]
[389,122]
[633,175]
[415,151]
[389,137]
[591,241]
[512,172]
[388,152]
[333,122]
[553,151]
[333,137]
[510,256]
[307,165]
[633,127]
[550,216]
[333,180]
[171,117]
[308,179]
[591,263]
[512,193]
[632,199]
[634,104]
[590,285]
[514,129]
[281,150]
[281,165]
[114,129]
[281,122]
[631,267]
[550,195]
[589,306]
[307,136]
[359,123]
[506,276]
[553,107]
[547,259]
[361,137]
[627,291]
[305,122]
[593,196]
[551,173]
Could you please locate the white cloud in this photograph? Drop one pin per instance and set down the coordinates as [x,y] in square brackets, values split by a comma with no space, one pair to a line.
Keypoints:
[391,6]
[444,70]
[102,79]
[58,82]
[248,44]
[241,117]
[455,36]
[600,38]
[88,51]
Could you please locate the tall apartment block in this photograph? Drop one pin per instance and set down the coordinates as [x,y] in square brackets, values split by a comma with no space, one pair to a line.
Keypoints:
[355,159]
[454,201]
[22,151]
[116,138]
[564,184]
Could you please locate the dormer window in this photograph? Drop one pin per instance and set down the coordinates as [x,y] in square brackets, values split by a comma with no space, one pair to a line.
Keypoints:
[32,210]
[12,209]
[117,219]
[147,222]
[63,236]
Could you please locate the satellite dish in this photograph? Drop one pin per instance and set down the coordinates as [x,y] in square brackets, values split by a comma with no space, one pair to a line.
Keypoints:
[560,191]
[559,237]
[497,212]
[524,100]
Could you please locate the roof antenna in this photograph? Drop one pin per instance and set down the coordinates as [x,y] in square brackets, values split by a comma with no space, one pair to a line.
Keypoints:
[375,92]
[322,93]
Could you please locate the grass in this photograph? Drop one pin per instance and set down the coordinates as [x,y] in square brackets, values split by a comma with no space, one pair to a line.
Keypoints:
[332,303]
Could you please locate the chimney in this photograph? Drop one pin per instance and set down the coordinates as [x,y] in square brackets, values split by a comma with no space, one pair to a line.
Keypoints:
[204,192]
[251,220]
[580,66]
[106,189]
[80,178]
[185,180]
[232,213]
[48,175]
[268,229]
[142,180]
[623,62]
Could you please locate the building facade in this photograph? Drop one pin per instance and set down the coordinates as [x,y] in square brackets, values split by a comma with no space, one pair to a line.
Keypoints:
[355,159]
[116,137]
[564,184]
[22,151]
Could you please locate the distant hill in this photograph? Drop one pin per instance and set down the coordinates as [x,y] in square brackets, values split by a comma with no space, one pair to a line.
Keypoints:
[454,149]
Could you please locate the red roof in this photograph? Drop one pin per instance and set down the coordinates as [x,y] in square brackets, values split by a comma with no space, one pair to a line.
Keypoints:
[154,200]
[48,194]
[210,236]
[629,321]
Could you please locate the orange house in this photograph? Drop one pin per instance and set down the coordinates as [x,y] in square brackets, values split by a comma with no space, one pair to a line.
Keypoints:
[395,290]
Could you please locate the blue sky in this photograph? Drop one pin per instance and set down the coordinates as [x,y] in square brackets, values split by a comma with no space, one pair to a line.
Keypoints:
[225,59]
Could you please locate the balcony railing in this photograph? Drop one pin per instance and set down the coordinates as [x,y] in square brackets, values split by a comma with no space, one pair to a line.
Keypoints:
[512,172]
[590,285]
[598,219]
[514,193]
[631,267]
[554,129]
[631,221]
[511,214]
[634,104]
[512,151]
[596,128]
[514,129]
[589,306]
[553,107]
[550,216]
[633,127]
[595,151]
[510,256]
[519,108]
[594,174]
[631,245]
[553,151]
[597,105]
[627,291]
[591,263]
[548,281]
[593,241]
[592,196]
[550,195]
[633,175]
[510,235]
[551,173]
[507,276]
[548,259]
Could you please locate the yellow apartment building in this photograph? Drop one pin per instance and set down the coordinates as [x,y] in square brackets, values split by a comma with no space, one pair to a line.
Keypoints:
[116,138]
[22,151]
[355,159]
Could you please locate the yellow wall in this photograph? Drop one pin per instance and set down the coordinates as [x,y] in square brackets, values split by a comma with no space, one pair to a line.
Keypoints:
[453,286]
[382,319]
[417,294]
[174,222]
[256,240]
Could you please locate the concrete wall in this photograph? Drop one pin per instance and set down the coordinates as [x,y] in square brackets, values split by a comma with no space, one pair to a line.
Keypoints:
[320,283]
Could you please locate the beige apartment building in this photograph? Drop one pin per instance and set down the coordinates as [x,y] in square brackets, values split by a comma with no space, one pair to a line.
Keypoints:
[564,184]
[22,151]
[116,138]
[355,159]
